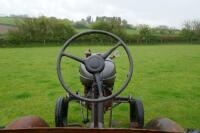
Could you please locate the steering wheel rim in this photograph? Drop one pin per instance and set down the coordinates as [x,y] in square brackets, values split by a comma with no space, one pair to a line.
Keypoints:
[115,37]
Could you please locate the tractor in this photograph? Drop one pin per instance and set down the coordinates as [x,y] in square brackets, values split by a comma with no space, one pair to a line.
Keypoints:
[97,74]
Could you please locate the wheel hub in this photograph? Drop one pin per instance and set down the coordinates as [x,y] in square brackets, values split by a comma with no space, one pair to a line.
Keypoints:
[94,63]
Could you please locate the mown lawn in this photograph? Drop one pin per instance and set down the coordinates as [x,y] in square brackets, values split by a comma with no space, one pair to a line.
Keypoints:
[166,78]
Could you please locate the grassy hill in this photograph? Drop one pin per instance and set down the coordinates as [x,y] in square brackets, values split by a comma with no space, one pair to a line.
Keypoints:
[7,23]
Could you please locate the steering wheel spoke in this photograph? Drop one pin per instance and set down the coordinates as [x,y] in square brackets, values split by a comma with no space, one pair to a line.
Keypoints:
[107,53]
[99,84]
[73,57]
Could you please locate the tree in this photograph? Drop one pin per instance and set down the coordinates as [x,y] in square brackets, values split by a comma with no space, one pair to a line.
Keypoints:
[42,29]
[111,24]
[124,23]
[191,30]
[196,25]
[144,32]
[89,19]
[80,24]
[161,30]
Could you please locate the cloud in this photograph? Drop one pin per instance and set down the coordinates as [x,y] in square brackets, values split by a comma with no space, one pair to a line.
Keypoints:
[153,12]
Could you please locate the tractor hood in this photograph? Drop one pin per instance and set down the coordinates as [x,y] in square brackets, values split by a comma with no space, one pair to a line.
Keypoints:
[107,75]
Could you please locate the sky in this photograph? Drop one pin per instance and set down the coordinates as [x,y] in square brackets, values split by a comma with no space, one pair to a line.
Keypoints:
[172,13]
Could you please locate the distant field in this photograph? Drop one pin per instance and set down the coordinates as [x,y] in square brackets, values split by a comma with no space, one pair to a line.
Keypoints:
[166,78]
[132,31]
[7,20]
[6,24]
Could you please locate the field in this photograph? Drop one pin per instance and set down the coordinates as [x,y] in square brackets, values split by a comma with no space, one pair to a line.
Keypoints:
[7,20]
[166,78]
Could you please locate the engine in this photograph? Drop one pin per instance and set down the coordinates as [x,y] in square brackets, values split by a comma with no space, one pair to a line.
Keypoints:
[107,75]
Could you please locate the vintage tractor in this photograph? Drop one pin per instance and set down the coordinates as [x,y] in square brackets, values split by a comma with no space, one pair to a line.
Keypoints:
[97,75]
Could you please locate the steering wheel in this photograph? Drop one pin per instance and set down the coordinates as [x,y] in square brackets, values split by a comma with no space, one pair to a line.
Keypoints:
[95,65]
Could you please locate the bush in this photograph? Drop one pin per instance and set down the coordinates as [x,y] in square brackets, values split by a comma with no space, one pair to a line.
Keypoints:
[41,29]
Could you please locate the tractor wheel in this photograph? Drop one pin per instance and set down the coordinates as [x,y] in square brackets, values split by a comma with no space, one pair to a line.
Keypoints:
[61,112]
[136,114]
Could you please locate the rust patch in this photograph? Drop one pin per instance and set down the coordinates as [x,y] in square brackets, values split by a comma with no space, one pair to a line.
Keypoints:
[27,122]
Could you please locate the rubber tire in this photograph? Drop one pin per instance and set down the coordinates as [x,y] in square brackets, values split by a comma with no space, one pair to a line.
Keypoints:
[136,114]
[61,112]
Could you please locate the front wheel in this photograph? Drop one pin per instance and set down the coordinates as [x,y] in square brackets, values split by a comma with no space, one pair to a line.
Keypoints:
[136,114]
[61,112]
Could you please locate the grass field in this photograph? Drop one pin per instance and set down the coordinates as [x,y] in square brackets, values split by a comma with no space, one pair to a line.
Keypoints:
[166,78]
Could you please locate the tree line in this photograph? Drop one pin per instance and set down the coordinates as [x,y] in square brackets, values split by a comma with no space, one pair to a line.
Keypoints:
[50,29]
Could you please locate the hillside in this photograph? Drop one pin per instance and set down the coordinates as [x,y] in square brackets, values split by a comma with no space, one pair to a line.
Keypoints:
[6,23]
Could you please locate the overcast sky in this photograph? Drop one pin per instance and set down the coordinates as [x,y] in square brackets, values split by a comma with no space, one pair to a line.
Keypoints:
[153,12]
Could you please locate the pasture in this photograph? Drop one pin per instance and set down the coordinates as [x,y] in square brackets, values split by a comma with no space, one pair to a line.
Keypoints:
[166,78]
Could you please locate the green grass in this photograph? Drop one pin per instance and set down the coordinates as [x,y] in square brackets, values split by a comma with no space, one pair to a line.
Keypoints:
[166,78]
